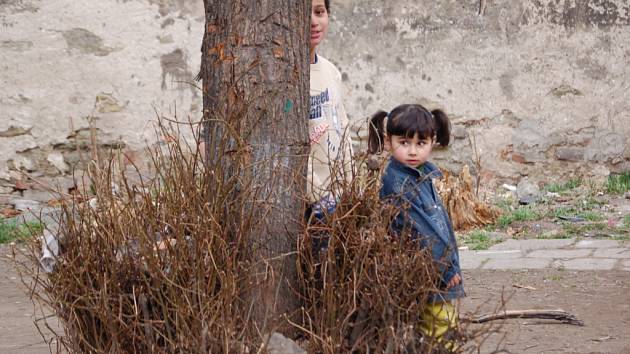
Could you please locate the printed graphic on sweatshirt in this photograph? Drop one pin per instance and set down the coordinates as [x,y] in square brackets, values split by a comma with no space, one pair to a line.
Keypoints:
[317,103]
[318,132]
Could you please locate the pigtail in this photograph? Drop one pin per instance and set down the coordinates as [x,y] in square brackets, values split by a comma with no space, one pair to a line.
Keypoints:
[443,127]
[376,131]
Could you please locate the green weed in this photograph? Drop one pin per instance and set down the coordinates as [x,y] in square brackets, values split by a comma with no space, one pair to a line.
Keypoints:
[554,236]
[11,231]
[567,212]
[591,203]
[524,213]
[479,240]
[553,277]
[618,183]
[563,187]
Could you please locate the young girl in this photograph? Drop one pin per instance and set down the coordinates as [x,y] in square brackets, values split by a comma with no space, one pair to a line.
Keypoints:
[330,145]
[409,134]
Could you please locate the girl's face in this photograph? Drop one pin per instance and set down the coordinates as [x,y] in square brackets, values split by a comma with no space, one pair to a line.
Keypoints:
[411,152]
[319,22]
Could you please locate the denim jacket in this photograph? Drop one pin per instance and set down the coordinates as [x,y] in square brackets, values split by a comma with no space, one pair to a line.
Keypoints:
[425,217]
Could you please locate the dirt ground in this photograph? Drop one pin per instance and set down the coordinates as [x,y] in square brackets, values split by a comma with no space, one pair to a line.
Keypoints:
[18,333]
[600,299]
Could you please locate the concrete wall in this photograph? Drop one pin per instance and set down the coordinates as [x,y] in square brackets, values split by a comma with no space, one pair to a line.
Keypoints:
[541,86]
[65,63]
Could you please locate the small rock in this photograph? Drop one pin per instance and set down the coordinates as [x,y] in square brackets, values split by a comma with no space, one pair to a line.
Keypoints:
[527,192]
[627,195]
[564,90]
[56,159]
[25,204]
[279,344]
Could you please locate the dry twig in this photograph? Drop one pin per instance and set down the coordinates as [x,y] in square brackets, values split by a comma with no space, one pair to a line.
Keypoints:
[558,315]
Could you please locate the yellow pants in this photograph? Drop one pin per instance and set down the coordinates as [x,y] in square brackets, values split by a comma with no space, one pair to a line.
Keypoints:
[437,319]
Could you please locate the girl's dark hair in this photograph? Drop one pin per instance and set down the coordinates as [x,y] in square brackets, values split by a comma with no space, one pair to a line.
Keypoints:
[327,4]
[408,120]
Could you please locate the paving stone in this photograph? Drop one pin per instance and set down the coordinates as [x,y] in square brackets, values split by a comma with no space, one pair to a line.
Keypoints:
[517,263]
[598,244]
[586,264]
[492,254]
[612,253]
[625,265]
[470,262]
[528,245]
[564,254]
[473,259]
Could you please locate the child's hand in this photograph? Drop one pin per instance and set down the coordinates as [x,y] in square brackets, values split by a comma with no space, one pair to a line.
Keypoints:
[455,280]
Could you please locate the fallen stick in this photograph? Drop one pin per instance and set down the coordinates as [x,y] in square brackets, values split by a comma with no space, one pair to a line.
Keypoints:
[519,286]
[558,315]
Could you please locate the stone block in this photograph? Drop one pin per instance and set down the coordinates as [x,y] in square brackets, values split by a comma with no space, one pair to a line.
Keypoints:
[6,190]
[598,244]
[625,265]
[586,264]
[56,159]
[560,254]
[619,253]
[38,196]
[473,259]
[570,154]
[533,244]
[527,191]
[493,254]
[25,204]
[517,263]
[459,132]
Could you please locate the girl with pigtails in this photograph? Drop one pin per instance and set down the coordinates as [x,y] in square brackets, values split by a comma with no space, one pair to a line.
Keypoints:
[409,132]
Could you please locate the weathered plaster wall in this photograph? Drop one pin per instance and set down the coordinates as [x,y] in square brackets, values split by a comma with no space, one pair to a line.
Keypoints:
[543,86]
[64,63]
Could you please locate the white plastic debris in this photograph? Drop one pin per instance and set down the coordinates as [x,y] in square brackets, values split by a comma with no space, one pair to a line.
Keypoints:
[50,251]
[509,187]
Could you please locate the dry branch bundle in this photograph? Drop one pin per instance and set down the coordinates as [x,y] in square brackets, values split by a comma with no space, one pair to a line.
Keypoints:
[164,265]
[366,291]
[157,266]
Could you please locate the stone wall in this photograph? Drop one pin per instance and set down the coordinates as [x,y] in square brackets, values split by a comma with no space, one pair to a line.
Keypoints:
[66,66]
[540,87]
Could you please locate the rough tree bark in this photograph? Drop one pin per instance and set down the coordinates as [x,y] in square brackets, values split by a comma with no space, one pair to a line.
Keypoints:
[255,74]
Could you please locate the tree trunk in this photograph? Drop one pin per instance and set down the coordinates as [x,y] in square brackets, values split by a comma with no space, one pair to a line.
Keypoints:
[255,71]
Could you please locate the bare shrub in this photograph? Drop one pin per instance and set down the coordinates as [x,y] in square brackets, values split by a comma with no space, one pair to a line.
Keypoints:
[164,265]
[151,267]
[366,291]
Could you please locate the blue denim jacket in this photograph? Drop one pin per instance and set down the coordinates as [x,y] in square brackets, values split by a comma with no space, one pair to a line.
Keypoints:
[425,217]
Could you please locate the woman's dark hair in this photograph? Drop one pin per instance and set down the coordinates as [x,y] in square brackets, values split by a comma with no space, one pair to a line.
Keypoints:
[327,4]
[408,120]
